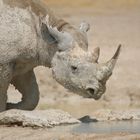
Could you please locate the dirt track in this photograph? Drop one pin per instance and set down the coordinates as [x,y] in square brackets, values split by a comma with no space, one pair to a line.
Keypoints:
[108,28]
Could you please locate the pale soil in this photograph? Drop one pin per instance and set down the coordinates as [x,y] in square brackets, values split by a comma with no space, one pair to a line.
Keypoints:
[109,27]
[43,134]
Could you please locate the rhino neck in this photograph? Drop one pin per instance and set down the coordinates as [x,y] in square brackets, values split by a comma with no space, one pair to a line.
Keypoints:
[45,53]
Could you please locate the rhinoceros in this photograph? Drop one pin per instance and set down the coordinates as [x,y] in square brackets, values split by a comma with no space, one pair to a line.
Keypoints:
[30,36]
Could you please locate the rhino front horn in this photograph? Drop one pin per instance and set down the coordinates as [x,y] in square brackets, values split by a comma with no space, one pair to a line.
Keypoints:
[111,63]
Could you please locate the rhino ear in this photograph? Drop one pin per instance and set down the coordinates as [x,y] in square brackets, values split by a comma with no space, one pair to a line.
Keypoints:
[84,27]
[46,35]
[63,39]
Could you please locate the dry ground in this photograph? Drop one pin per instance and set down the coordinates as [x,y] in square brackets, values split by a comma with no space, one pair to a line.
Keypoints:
[42,134]
[111,24]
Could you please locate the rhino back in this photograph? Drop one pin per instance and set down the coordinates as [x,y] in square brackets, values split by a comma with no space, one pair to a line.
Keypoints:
[37,6]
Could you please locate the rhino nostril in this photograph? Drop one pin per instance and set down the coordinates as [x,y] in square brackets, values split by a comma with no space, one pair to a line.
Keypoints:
[91,91]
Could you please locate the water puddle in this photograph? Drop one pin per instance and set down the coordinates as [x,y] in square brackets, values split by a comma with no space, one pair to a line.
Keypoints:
[101,127]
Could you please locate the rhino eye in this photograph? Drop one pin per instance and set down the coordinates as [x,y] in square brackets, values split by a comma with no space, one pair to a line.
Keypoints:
[74,69]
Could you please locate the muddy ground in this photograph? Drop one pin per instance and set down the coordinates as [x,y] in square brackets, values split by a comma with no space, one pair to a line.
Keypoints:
[111,24]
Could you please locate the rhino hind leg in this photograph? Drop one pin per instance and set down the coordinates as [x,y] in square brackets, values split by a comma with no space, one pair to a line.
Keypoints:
[27,86]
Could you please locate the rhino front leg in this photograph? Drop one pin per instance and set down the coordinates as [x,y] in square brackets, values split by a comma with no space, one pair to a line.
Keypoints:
[3,100]
[5,77]
[27,86]
[3,94]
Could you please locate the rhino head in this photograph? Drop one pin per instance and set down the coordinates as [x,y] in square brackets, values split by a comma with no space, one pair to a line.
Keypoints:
[76,68]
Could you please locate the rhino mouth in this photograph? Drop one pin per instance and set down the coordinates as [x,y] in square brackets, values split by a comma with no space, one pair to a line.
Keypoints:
[90,94]
[95,97]
[86,93]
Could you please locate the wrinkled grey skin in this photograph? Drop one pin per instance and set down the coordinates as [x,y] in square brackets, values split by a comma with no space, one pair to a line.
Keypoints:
[30,36]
